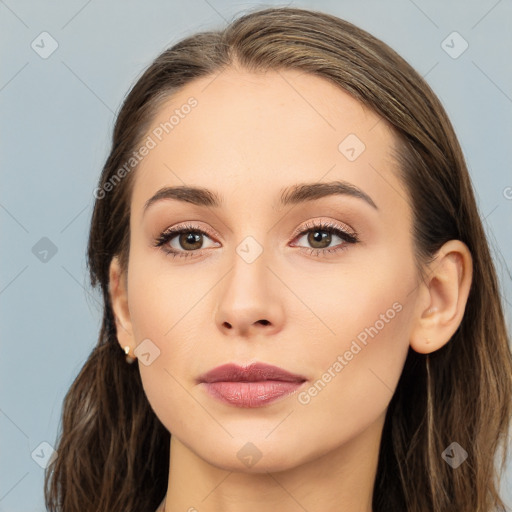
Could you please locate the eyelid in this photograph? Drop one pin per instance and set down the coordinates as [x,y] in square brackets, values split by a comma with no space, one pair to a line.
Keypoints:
[316,221]
[308,225]
[189,226]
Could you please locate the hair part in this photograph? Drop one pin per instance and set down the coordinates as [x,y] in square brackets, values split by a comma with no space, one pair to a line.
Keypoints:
[113,452]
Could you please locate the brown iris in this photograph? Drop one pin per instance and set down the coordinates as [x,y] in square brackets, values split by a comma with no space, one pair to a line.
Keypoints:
[194,239]
[319,236]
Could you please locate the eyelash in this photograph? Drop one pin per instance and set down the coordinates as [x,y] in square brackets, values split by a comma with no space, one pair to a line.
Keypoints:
[349,238]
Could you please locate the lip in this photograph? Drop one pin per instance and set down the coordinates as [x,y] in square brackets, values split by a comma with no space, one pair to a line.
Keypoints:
[253,385]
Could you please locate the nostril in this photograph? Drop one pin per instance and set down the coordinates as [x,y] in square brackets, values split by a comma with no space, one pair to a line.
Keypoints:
[264,322]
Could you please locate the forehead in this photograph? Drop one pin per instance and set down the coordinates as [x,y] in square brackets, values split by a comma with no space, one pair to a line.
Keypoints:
[251,134]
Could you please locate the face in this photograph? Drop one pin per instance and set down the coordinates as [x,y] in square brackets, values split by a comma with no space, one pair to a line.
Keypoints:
[317,281]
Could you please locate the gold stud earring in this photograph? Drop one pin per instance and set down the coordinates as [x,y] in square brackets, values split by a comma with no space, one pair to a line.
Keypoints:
[129,359]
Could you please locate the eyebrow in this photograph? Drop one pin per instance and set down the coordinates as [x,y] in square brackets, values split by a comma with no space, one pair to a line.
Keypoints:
[295,194]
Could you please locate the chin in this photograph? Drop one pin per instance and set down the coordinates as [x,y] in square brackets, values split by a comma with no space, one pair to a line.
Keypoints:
[270,463]
[260,456]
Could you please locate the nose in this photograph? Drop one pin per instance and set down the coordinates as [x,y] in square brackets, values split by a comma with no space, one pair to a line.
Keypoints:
[249,302]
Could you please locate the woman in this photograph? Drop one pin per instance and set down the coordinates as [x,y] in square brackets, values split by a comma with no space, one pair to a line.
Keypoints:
[286,238]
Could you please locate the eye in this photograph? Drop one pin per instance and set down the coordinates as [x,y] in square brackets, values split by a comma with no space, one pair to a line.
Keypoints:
[320,235]
[189,240]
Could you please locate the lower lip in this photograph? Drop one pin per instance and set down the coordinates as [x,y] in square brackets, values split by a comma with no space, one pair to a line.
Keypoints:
[251,394]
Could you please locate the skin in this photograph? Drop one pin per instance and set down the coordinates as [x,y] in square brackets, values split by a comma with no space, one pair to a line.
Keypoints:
[249,136]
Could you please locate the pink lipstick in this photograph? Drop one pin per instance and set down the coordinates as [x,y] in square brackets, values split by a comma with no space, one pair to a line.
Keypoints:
[255,385]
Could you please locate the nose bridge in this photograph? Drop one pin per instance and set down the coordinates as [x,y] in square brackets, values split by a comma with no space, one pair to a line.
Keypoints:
[247,283]
[248,297]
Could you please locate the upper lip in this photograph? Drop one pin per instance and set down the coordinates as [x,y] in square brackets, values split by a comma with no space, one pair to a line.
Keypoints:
[255,372]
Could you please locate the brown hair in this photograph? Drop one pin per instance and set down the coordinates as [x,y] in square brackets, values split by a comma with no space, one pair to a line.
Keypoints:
[113,452]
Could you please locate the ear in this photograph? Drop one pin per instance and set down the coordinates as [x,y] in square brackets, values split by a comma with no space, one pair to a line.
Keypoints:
[442,298]
[118,291]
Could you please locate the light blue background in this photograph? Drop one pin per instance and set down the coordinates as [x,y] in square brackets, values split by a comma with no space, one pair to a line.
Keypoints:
[56,120]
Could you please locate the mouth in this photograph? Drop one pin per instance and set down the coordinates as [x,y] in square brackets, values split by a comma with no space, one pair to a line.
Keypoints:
[250,386]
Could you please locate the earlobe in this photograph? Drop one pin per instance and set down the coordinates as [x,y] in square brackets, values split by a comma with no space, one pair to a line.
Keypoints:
[119,300]
[444,296]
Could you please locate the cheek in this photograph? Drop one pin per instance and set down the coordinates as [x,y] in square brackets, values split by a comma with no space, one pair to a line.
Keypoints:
[165,311]
[162,298]
[359,365]
[356,380]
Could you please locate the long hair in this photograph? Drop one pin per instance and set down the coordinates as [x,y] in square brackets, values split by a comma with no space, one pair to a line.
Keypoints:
[113,452]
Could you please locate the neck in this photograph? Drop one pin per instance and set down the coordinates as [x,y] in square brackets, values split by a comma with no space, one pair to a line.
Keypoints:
[341,479]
